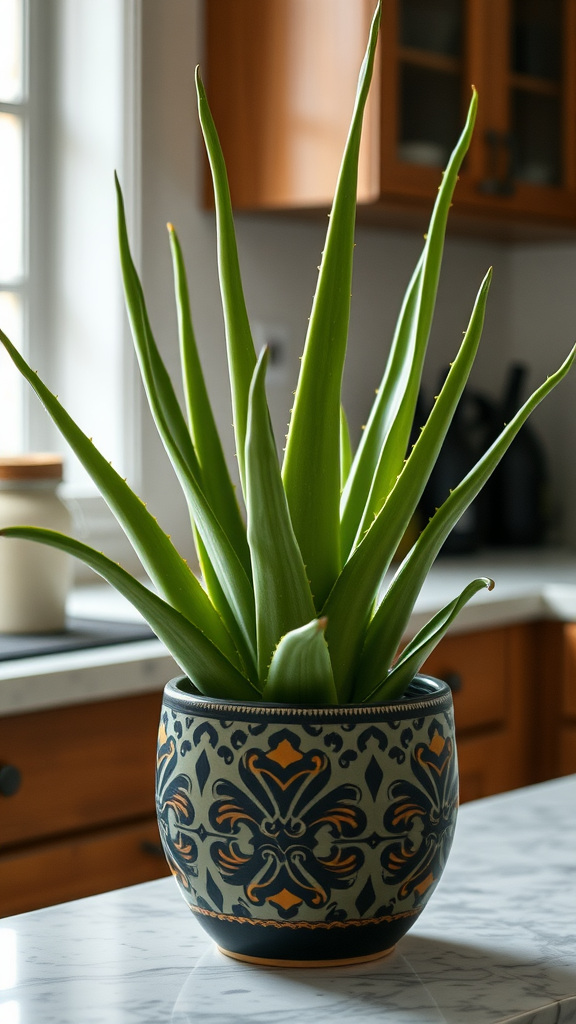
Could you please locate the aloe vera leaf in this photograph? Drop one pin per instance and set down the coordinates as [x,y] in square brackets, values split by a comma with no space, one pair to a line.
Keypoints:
[218,486]
[393,685]
[345,448]
[388,624]
[349,604]
[165,567]
[282,591]
[301,671]
[156,379]
[238,609]
[198,657]
[382,415]
[218,598]
[311,470]
[394,414]
[241,353]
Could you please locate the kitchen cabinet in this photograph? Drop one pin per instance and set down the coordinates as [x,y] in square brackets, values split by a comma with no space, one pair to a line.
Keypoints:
[281,81]
[555,737]
[81,817]
[491,679]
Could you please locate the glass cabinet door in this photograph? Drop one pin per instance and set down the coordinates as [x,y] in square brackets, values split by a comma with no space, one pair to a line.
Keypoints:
[521,55]
[430,56]
[535,83]
[282,81]
[426,73]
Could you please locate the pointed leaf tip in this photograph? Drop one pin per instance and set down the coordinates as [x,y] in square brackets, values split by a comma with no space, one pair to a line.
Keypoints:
[394,684]
[300,671]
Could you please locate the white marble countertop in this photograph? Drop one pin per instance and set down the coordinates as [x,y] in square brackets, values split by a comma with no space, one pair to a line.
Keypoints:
[530,585]
[496,944]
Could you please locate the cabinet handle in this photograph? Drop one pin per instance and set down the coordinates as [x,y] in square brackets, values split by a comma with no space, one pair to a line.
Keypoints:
[154,849]
[10,779]
[453,680]
[500,180]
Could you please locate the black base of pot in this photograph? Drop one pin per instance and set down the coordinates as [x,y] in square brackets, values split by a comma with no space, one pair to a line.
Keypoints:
[341,941]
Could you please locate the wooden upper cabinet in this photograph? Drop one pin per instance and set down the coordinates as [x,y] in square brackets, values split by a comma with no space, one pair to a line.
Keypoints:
[281,80]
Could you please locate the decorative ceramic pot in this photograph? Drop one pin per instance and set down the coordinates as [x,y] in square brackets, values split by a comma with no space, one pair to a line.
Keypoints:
[307,836]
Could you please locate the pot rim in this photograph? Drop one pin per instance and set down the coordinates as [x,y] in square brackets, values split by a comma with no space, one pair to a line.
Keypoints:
[428,692]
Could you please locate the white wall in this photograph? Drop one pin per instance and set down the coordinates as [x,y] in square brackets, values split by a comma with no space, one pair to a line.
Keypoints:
[532,311]
[542,281]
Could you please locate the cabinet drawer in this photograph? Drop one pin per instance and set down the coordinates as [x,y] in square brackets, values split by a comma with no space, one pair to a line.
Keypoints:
[83,866]
[488,764]
[567,764]
[569,682]
[478,664]
[81,766]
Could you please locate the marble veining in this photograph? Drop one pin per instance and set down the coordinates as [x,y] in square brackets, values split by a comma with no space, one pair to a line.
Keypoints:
[496,945]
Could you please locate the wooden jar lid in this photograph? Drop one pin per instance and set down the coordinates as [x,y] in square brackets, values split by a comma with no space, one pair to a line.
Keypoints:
[32,466]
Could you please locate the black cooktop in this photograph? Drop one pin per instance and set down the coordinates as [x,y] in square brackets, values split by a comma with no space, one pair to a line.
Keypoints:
[78,635]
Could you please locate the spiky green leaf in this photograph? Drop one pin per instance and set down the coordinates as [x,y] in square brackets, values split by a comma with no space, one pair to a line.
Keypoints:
[155,377]
[241,354]
[197,656]
[384,410]
[216,480]
[238,608]
[393,685]
[283,598]
[301,671]
[350,603]
[390,621]
[311,470]
[386,437]
[345,448]
[166,568]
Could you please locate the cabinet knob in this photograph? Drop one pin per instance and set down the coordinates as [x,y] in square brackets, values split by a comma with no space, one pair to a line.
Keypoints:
[153,849]
[453,680]
[10,779]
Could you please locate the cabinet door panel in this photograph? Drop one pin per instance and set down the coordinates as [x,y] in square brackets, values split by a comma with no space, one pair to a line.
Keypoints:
[81,766]
[477,662]
[281,81]
[487,765]
[567,750]
[569,687]
[55,872]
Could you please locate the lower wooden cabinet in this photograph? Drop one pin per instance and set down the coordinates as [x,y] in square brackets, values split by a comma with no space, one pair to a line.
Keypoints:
[491,676]
[556,698]
[567,715]
[81,819]
[68,869]
[567,752]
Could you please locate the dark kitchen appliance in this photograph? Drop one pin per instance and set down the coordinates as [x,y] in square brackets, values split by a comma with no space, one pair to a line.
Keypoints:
[518,493]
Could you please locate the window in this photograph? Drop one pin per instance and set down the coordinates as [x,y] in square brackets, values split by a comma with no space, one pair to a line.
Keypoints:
[13,208]
[69,117]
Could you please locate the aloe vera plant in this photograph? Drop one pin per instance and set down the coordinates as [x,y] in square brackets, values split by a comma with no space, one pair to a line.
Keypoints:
[292,608]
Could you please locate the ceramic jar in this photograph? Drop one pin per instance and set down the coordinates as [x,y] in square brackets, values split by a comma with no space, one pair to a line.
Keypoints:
[34,579]
[307,836]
